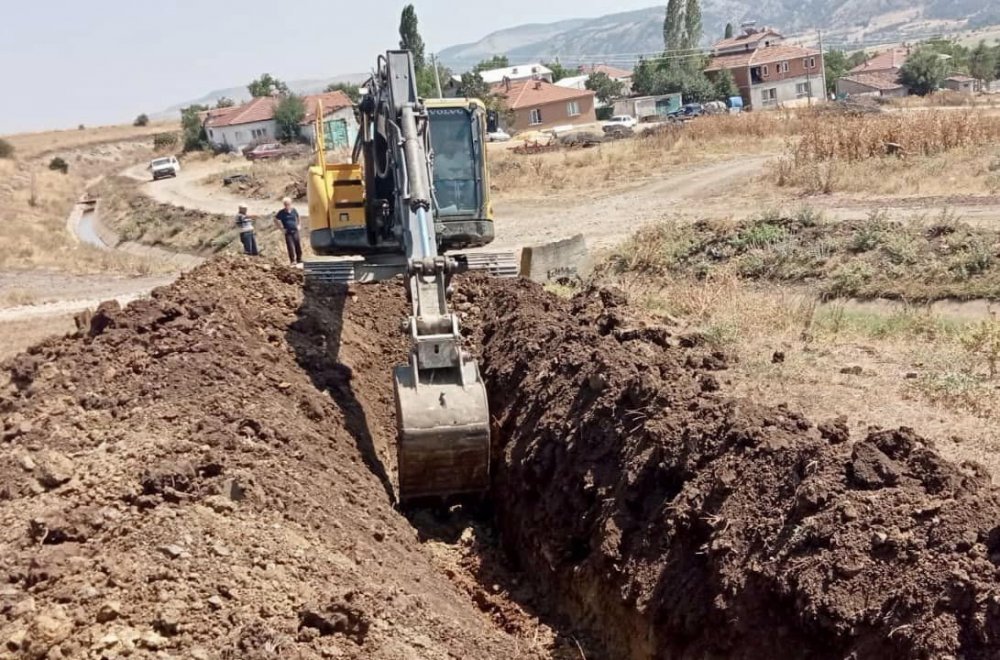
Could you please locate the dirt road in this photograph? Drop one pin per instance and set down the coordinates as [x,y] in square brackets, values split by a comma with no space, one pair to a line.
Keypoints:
[186,191]
[606,219]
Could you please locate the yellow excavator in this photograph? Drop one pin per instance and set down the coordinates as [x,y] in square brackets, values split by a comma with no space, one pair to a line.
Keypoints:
[415,190]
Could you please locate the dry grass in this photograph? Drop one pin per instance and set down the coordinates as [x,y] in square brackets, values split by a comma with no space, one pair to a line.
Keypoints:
[36,145]
[35,201]
[627,163]
[939,152]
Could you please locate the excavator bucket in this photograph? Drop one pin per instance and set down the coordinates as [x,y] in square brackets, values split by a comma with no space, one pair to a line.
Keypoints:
[443,447]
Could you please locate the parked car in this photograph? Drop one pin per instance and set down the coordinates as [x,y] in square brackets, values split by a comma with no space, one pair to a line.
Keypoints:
[164,167]
[498,135]
[627,121]
[268,150]
[688,111]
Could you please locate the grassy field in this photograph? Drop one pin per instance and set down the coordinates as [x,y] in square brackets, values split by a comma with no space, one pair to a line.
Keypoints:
[925,259]
[35,145]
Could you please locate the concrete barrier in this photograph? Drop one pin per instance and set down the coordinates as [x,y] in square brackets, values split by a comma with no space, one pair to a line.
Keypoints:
[551,262]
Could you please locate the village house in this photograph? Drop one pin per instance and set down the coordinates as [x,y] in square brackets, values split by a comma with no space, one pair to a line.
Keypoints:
[768,72]
[961,83]
[535,71]
[537,105]
[253,123]
[879,76]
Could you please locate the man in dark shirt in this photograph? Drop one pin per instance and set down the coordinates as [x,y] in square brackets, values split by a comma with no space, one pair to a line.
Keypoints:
[288,220]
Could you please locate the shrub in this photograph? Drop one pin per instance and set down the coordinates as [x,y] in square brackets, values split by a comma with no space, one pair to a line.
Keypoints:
[57,164]
[164,140]
[141,120]
[6,149]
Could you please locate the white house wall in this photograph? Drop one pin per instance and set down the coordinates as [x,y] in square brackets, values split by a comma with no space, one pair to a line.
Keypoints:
[787,94]
[239,136]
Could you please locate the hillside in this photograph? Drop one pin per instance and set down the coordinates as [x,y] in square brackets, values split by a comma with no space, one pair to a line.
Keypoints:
[618,38]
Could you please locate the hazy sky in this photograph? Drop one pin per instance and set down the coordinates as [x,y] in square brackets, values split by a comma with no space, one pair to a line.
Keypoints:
[67,62]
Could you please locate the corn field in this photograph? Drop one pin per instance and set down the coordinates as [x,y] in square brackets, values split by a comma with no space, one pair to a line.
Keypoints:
[853,138]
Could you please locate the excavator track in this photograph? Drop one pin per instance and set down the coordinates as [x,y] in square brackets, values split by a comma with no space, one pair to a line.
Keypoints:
[346,270]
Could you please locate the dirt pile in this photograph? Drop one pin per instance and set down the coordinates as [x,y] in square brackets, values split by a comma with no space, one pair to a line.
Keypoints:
[673,522]
[173,482]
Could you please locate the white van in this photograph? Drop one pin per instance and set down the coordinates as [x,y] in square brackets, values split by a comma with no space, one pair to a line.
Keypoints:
[164,167]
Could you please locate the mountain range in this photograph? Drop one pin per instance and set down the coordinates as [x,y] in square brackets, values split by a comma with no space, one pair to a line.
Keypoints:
[618,38]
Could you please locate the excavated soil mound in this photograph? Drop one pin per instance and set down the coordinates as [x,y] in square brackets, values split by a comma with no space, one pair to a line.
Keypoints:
[194,477]
[676,523]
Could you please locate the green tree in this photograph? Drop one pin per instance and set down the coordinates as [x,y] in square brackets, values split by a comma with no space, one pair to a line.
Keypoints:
[983,62]
[604,87]
[288,115]
[673,26]
[644,77]
[725,85]
[194,127]
[692,25]
[353,91]
[141,120]
[729,31]
[225,102]
[559,71]
[495,62]
[835,63]
[267,85]
[409,36]
[473,86]
[6,149]
[857,58]
[923,72]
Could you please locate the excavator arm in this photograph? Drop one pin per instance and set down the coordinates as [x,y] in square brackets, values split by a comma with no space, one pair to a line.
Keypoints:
[442,412]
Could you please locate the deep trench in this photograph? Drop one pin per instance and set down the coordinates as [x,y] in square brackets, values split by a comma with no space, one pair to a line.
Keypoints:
[362,389]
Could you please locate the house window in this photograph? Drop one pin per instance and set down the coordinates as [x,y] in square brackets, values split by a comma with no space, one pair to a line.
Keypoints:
[535,117]
[573,108]
[783,67]
[812,62]
[803,89]
[259,132]
[763,71]
[769,96]
[239,135]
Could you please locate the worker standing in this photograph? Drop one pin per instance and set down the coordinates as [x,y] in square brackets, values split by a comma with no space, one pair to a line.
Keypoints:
[244,222]
[288,220]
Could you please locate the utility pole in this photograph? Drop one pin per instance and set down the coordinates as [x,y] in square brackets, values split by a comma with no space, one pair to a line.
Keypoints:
[437,75]
[822,59]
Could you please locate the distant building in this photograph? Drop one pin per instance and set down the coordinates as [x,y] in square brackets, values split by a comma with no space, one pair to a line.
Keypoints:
[535,71]
[888,62]
[877,83]
[961,83]
[768,72]
[623,76]
[574,82]
[648,107]
[538,105]
[878,76]
[253,123]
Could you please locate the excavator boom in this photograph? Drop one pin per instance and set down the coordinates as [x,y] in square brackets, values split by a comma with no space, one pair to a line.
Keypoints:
[443,444]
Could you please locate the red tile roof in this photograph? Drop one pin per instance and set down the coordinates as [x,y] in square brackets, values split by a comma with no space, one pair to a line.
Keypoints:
[611,71]
[262,109]
[332,102]
[746,39]
[767,55]
[880,80]
[890,59]
[534,93]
